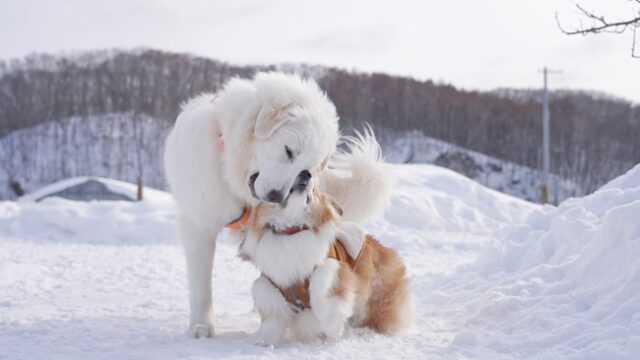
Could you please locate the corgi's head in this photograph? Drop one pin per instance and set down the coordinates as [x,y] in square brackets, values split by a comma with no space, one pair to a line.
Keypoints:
[305,209]
[286,241]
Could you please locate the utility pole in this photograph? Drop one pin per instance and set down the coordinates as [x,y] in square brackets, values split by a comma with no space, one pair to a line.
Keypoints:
[545,138]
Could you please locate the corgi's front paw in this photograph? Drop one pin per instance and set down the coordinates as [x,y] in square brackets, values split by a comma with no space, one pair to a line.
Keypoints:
[268,339]
[271,333]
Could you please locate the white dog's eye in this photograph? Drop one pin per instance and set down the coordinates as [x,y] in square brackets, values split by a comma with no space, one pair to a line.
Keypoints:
[289,153]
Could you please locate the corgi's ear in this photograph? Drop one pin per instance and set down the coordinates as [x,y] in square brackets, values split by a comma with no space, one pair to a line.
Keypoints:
[269,119]
[325,162]
[336,207]
[352,236]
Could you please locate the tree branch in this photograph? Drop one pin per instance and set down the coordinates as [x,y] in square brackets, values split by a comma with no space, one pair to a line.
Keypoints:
[602,25]
[633,43]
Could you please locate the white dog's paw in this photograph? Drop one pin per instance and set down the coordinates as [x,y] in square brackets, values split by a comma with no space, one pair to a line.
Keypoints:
[201,331]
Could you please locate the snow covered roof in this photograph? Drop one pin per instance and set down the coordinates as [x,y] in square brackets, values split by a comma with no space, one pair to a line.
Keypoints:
[90,188]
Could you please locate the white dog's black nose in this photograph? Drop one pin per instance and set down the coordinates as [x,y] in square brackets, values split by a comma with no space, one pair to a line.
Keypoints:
[252,183]
[275,196]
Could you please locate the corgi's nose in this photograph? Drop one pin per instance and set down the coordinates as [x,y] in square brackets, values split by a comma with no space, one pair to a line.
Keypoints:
[304,176]
[274,196]
[302,181]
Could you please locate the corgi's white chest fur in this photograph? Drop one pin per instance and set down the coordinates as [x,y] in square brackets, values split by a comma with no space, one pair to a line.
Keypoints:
[291,258]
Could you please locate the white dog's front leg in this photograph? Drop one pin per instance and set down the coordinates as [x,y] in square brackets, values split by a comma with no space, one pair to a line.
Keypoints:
[274,312]
[199,248]
[332,311]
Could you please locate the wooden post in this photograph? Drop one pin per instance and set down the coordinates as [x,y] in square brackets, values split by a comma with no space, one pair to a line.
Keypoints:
[140,189]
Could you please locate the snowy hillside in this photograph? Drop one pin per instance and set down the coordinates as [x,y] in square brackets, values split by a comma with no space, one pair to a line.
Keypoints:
[107,145]
[104,145]
[494,277]
[513,179]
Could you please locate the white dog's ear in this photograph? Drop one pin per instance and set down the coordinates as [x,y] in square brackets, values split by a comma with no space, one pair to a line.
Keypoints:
[269,120]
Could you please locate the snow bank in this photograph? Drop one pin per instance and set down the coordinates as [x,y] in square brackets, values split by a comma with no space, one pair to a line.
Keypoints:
[565,284]
[434,198]
[60,221]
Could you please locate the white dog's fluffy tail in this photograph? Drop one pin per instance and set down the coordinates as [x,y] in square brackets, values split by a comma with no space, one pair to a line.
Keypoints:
[359,179]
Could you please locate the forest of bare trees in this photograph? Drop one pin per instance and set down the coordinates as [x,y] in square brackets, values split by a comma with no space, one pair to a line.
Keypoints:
[594,136]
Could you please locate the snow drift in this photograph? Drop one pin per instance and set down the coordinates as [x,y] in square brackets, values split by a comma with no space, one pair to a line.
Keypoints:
[492,276]
[566,283]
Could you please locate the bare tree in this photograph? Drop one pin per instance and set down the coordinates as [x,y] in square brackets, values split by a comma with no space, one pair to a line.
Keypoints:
[599,24]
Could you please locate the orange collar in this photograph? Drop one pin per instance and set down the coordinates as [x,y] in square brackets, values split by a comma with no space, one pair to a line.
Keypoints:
[241,221]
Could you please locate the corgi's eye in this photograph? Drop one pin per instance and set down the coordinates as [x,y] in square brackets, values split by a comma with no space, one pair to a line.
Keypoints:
[289,153]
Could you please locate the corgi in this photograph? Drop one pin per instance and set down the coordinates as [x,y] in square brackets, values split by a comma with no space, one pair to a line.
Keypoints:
[320,273]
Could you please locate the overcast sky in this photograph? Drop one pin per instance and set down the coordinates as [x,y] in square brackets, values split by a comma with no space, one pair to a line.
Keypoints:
[468,43]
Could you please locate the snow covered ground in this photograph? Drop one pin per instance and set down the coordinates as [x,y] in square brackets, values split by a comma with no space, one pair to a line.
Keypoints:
[493,277]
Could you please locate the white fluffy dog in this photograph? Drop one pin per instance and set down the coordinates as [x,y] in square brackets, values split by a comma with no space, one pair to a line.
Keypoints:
[252,142]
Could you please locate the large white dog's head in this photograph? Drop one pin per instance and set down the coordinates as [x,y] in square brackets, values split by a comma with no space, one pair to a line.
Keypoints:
[291,131]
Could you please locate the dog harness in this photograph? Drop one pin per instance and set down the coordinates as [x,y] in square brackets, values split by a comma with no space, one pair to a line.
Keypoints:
[297,295]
